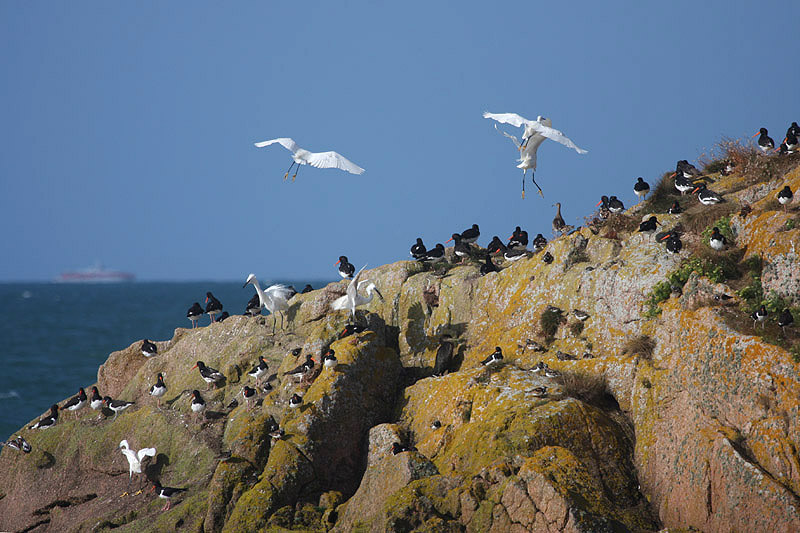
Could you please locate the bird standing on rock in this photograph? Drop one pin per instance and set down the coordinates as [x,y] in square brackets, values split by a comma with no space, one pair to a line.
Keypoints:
[488,266]
[418,250]
[116,405]
[539,242]
[212,376]
[518,239]
[213,306]
[496,246]
[559,226]
[76,402]
[461,248]
[149,349]
[675,208]
[198,403]
[194,313]
[765,142]
[785,319]
[159,389]
[717,241]
[494,357]
[706,195]
[649,226]
[47,421]
[346,269]
[785,197]
[471,235]
[165,493]
[615,205]
[641,188]
[673,243]
[260,370]
[760,315]
[135,458]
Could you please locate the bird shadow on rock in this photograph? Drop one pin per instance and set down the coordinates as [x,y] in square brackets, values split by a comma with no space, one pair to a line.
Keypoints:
[153,471]
[214,415]
[291,313]
[45,460]
[388,334]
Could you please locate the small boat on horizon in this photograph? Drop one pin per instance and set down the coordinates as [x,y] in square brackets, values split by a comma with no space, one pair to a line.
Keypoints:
[95,274]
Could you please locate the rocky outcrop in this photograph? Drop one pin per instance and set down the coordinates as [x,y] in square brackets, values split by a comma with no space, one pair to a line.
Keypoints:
[668,410]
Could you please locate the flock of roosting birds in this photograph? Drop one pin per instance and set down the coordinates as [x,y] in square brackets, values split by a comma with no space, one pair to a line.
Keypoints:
[360,292]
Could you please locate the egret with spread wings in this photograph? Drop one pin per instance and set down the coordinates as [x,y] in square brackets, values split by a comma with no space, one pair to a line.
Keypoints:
[353,299]
[318,159]
[535,133]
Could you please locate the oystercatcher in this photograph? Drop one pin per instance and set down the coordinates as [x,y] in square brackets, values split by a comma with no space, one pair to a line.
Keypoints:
[673,243]
[76,402]
[149,349]
[683,184]
[494,357]
[435,254]
[760,315]
[641,188]
[418,250]
[260,370]
[116,405]
[209,375]
[531,344]
[791,142]
[346,269]
[159,389]
[496,246]
[47,421]
[706,195]
[518,239]
[615,205]
[785,196]
[213,306]
[194,313]
[253,306]
[688,170]
[399,448]
[274,431]
[580,315]
[96,401]
[295,401]
[551,373]
[165,493]
[488,267]
[18,443]
[539,242]
[547,258]
[299,372]
[649,226]
[794,129]
[248,393]
[675,209]
[329,359]
[471,235]
[351,329]
[765,142]
[514,255]
[717,241]
[539,392]
[308,288]
[461,248]
[785,319]
[223,316]
[198,403]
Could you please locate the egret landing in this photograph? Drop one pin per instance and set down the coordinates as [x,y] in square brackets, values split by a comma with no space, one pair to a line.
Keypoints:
[274,298]
[318,159]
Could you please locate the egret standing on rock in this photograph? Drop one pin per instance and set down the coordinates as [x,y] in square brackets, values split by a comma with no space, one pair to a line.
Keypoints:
[275,298]
[318,160]
[353,299]
[135,458]
[536,132]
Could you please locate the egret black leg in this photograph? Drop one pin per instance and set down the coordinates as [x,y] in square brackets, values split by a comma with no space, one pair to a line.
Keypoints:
[287,172]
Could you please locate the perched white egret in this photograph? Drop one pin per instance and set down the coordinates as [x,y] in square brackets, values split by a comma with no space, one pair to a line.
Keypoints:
[274,298]
[353,299]
[535,133]
[318,159]
[135,458]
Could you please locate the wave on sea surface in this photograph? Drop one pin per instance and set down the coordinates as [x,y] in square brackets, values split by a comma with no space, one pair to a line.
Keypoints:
[8,395]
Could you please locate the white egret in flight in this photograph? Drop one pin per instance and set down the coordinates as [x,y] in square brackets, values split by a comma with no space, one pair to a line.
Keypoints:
[535,133]
[353,299]
[318,159]
[274,298]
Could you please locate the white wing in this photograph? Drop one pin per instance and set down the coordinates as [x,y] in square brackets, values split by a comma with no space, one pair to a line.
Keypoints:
[554,135]
[277,291]
[123,444]
[333,160]
[508,118]
[352,288]
[151,452]
[286,142]
[339,303]
[513,139]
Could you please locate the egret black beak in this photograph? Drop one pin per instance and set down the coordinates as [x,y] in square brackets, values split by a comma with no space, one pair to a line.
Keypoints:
[379,293]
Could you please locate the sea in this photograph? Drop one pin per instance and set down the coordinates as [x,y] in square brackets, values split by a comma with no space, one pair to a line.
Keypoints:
[54,336]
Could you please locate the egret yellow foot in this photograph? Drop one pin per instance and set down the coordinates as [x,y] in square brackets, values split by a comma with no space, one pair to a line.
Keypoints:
[124,494]
[137,492]
[293,177]
[285,176]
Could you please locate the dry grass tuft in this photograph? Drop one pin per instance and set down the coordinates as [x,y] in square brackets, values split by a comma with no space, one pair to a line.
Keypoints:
[619,223]
[699,217]
[662,195]
[643,346]
[753,166]
[584,386]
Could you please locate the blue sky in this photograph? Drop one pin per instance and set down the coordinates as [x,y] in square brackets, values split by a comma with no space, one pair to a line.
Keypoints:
[128,128]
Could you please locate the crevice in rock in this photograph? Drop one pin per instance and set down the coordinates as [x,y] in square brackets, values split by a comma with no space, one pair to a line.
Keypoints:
[744,452]
[74,500]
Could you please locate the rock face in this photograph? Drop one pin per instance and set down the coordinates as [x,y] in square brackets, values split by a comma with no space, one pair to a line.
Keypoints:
[664,411]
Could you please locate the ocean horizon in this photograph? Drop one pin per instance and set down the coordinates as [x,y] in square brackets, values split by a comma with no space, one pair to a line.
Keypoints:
[56,335]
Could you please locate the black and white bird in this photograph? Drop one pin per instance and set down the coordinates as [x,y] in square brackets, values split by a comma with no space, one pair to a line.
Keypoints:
[641,188]
[717,240]
[159,389]
[274,431]
[351,329]
[514,255]
[471,235]
[212,376]
[760,315]
[496,246]
[346,268]
[149,349]
[794,129]
[308,288]
[198,403]
[765,142]
[580,315]
[253,307]
[551,373]
[494,357]
[706,195]
[683,184]
[518,239]
[615,205]
[300,372]
[539,368]
[675,208]
[539,392]
[47,421]
[295,401]
[329,359]
[673,243]
[166,493]
[18,443]
[194,313]
[76,402]
[259,370]
[785,196]
[488,266]
[649,226]
[116,405]
[791,142]
[785,319]
[213,306]
[435,254]
[249,394]
[418,250]
[686,169]
[461,248]
[399,448]
[547,258]
[223,316]
[539,242]
[96,401]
